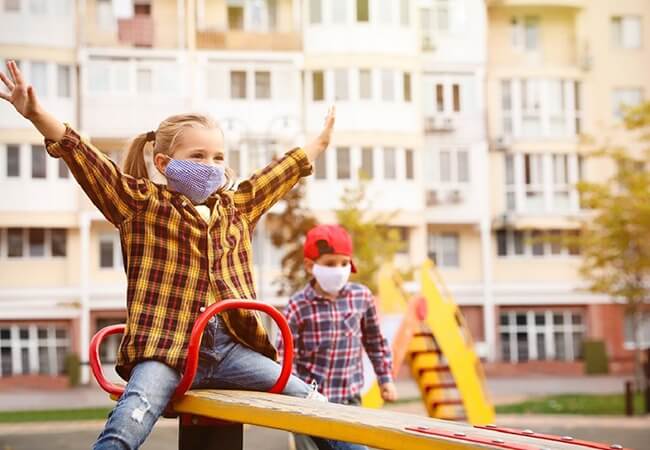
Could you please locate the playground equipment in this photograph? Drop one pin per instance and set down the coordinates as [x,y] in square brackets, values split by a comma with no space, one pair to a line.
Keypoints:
[212,419]
[434,339]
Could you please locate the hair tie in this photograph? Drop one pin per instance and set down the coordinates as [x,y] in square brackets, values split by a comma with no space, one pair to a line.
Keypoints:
[151,136]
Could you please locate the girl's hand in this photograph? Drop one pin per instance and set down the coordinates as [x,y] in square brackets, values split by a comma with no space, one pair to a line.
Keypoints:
[318,145]
[21,95]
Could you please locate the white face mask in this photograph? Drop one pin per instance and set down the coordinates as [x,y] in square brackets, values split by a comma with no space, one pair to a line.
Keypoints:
[331,279]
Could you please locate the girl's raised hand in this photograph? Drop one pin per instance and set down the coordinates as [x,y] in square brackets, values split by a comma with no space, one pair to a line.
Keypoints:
[21,95]
[318,145]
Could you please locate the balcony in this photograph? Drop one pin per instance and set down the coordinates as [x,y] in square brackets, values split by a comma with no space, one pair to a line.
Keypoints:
[572,4]
[248,40]
[137,31]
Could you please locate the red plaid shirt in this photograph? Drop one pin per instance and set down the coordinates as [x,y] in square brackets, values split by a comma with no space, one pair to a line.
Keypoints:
[329,336]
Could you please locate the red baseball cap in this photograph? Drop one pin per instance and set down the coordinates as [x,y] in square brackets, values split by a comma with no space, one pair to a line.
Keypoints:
[328,239]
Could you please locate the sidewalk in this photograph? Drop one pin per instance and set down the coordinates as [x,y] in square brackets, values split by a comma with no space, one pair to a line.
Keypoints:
[501,390]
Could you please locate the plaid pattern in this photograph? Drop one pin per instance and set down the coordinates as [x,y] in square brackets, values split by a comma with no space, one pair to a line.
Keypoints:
[329,337]
[175,261]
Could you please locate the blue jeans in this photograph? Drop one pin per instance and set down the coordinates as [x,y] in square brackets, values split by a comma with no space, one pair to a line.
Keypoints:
[223,364]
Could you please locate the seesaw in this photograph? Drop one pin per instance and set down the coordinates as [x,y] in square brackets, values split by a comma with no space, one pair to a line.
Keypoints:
[213,419]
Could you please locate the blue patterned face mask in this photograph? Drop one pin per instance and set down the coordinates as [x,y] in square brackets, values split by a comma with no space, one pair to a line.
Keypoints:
[195,180]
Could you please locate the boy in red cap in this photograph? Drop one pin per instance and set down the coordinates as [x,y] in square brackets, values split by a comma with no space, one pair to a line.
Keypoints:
[333,319]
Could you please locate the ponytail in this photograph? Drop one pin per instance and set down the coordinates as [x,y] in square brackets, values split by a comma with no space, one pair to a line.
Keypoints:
[134,163]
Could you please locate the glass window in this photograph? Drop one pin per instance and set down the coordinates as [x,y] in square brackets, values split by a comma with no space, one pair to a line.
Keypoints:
[440,99]
[343,163]
[405,12]
[408,162]
[262,85]
[12,5]
[390,170]
[320,167]
[144,80]
[106,252]
[455,90]
[318,86]
[626,32]
[316,11]
[15,243]
[63,81]
[39,161]
[388,85]
[445,166]
[367,162]
[341,84]
[625,98]
[235,17]
[363,11]
[531,25]
[407,86]
[13,161]
[38,78]
[59,242]
[36,242]
[365,84]
[237,84]
[339,12]
[463,166]
[64,172]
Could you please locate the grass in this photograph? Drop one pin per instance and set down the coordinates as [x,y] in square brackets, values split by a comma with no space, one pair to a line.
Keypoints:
[583,404]
[54,415]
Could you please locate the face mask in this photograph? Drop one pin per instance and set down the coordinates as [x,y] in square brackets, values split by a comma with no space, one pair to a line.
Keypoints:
[331,279]
[196,181]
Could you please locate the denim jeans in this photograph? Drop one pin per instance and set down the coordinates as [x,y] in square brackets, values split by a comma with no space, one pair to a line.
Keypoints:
[223,364]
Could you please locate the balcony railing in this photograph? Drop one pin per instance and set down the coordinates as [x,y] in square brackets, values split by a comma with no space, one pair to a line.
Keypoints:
[248,40]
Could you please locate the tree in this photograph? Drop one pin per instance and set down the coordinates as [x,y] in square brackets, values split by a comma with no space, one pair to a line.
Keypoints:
[374,244]
[614,241]
[288,231]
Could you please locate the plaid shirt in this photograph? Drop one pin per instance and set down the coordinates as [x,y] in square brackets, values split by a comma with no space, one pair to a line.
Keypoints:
[329,336]
[176,262]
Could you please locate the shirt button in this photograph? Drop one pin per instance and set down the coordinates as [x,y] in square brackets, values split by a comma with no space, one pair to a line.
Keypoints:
[202,308]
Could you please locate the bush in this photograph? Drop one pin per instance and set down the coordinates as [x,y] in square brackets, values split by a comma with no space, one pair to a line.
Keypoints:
[73,369]
[595,355]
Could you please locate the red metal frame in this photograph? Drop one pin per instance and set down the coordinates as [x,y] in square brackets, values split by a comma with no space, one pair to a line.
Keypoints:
[192,361]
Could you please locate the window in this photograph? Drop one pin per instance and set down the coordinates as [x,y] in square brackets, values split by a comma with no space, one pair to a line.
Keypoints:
[534,183]
[506,107]
[213,82]
[445,166]
[407,86]
[367,162]
[442,13]
[316,11]
[234,161]
[36,242]
[462,166]
[64,172]
[365,84]
[111,344]
[537,243]
[363,11]
[144,80]
[408,163]
[263,85]
[644,331]
[235,17]
[443,248]
[341,84]
[12,5]
[384,14]
[13,161]
[31,349]
[511,190]
[626,32]
[440,98]
[320,167]
[59,242]
[63,81]
[318,86]
[15,242]
[625,98]
[237,84]
[404,12]
[387,85]
[453,166]
[390,170]
[109,251]
[541,335]
[455,89]
[104,15]
[39,161]
[524,33]
[339,12]
[561,185]
[38,7]
[531,107]
[556,106]
[99,80]
[39,78]
[142,8]
[343,163]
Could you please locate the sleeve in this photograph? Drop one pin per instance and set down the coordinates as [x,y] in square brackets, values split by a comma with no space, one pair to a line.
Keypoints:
[292,314]
[375,344]
[263,189]
[118,196]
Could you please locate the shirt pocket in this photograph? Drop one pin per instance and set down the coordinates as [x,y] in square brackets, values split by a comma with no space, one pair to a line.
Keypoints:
[352,324]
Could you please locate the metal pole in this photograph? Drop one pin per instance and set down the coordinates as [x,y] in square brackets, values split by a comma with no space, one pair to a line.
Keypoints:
[629,399]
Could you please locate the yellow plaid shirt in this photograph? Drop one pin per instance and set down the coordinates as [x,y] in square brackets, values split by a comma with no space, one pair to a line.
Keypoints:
[176,262]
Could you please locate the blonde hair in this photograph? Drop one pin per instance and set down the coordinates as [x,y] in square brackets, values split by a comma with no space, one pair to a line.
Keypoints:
[164,139]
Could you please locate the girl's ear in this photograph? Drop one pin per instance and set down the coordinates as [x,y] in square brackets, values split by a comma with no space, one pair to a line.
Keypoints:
[160,160]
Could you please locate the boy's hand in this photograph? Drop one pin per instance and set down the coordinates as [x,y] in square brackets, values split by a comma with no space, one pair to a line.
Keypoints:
[318,145]
[388,392]
[21,95]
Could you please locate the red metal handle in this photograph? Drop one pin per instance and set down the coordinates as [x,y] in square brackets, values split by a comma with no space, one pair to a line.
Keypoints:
[192,360]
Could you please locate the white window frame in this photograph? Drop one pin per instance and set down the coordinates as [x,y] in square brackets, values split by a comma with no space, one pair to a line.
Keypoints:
[114,239]
[626,32]
[32,345]
[435,245]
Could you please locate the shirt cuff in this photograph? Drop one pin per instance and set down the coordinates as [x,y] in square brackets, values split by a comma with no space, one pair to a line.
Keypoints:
[383,379]
[68,143]
[305,168]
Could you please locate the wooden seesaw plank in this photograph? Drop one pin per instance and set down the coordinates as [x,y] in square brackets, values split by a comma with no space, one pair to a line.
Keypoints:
[381,429]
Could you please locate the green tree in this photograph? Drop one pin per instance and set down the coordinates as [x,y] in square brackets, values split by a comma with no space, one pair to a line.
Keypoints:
[288,231]
[374,243]
[614,241]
